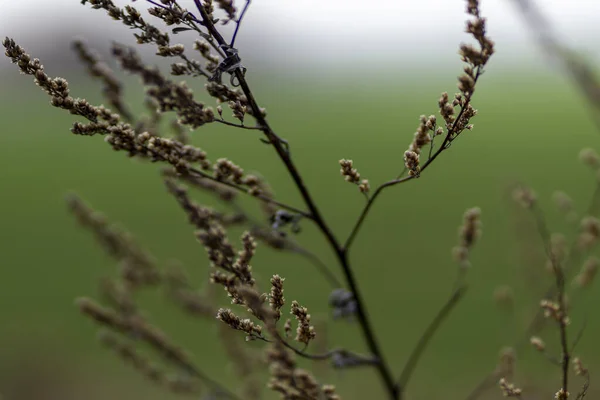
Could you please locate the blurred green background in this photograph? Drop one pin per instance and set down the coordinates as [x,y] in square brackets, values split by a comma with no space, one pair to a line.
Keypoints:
[530,128]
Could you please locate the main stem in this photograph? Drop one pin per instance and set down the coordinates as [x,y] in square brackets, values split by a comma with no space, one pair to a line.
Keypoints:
[367,330]
[341,254]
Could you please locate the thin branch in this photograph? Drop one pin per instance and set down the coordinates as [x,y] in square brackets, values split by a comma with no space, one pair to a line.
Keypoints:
[222,121]
[239,22]
[425,339]
[323,356]
[315,357]
[579,333]
[261,197]
[586,385]
[447,140]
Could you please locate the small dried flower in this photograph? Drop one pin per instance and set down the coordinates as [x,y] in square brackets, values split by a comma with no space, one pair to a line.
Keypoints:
[329,392]
[305,332]
[349,173]
[276,299]
[590,158]
[558,252]
[553,310]
[170,51]
[239,110]
[228,7]
[422,136]
[468,233]
[287,327]
[579,368]
[537,343]
[364,186]
[352,175]
[504,297]
[446,109]
[562,394]
[509,389]
[590,232]
[411,162]
[525,197]
[245,325]
[241,267]
[563,201]
[588,272]
[227,170]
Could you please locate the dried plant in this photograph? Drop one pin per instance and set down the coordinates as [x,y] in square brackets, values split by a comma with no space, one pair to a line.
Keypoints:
[286,328]
[561,256]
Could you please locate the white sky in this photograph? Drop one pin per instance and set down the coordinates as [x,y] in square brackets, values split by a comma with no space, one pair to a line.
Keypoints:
[338,31]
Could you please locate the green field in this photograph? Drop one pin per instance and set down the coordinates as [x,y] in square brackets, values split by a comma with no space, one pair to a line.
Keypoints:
[530,129]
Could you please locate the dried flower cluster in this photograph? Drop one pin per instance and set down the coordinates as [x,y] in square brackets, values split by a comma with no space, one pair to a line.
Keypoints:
[256,313]
[509,389]
[468,234]
[565,205]
[305,332]
[525,196]
[560,256]
[352,175]
[590,232]
[555,311]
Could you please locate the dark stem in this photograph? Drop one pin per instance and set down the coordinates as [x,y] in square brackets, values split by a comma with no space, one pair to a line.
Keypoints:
[367,208]
[316,357]
[368,332]
[222,121]
[394,391]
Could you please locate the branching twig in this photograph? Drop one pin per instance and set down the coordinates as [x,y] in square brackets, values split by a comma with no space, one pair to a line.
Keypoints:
[222,121]
[447,140]
[276,142]
[266,199]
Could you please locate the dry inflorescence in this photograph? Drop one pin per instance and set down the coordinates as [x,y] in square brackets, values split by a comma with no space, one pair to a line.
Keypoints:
[257,314]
